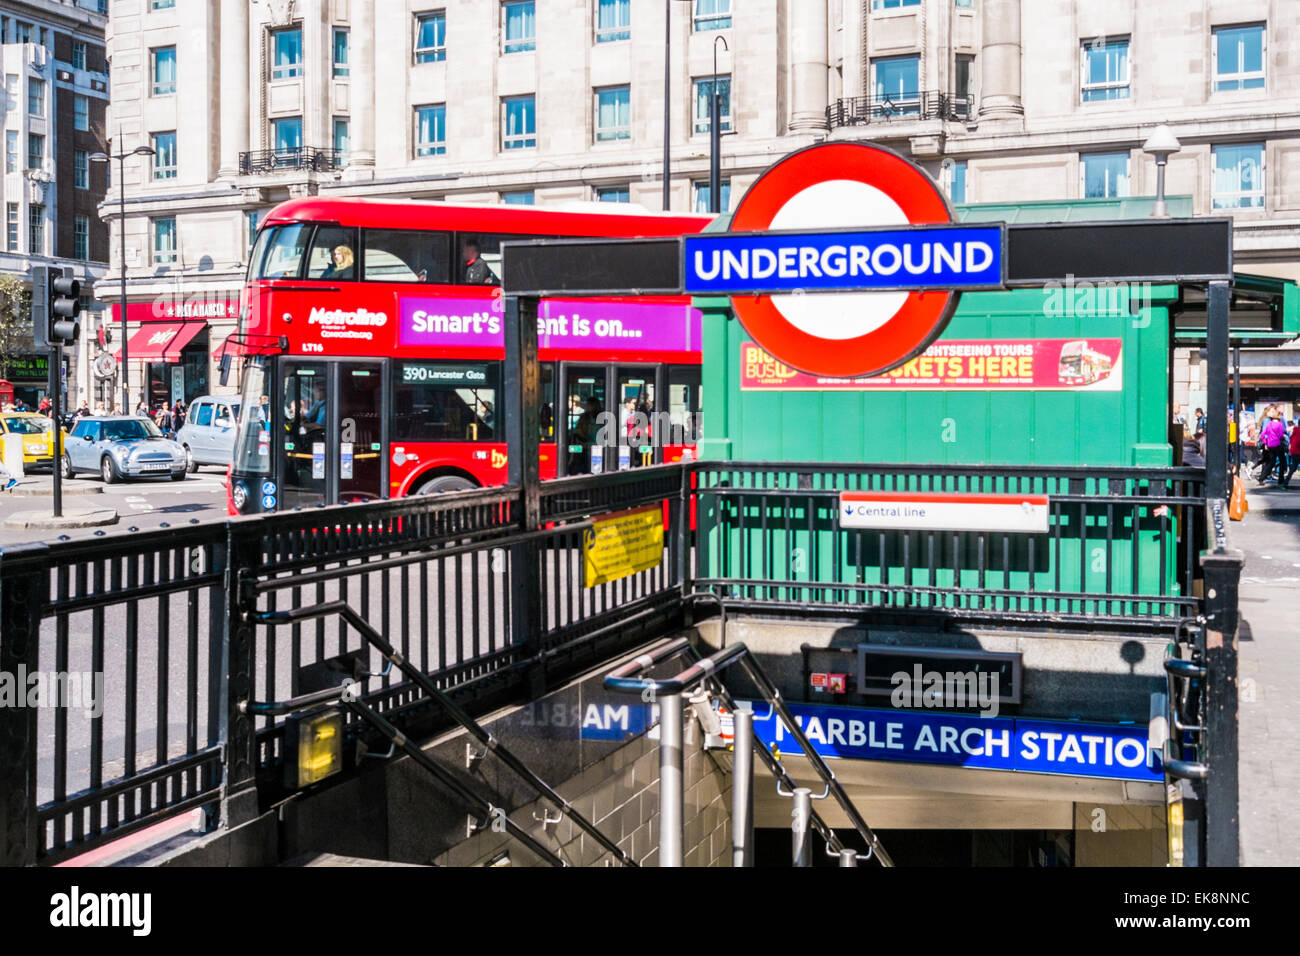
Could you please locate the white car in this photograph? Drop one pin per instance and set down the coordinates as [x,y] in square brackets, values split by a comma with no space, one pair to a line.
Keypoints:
[117,447]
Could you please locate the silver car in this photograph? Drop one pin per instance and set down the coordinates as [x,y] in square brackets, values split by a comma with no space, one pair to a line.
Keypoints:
[208,435]
[119,447]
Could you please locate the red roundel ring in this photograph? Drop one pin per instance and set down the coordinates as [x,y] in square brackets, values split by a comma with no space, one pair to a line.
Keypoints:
[922,315]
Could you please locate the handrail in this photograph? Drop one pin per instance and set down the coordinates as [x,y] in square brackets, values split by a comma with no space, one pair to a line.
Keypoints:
[623,679]
[421,680]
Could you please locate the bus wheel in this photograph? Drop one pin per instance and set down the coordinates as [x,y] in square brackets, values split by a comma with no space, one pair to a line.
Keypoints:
[445,483]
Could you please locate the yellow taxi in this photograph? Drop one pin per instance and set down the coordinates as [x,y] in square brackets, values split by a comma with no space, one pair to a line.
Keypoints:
[38,436]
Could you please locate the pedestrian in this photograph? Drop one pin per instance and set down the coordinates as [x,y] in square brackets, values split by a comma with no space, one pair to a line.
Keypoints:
[1200,419]
[1193,453]
[178,415]
[163,420]
[1294,450]
[1271,437]
[83,410]
[45,406]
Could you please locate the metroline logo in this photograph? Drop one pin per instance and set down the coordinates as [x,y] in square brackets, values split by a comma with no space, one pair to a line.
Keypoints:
[341,317]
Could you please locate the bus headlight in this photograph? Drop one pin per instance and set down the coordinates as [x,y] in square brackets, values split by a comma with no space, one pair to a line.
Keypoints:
[239,495]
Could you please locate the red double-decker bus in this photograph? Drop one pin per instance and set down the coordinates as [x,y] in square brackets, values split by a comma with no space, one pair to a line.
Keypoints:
[372,342]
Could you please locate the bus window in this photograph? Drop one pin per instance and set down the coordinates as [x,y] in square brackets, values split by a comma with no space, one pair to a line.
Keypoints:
[546,415]
[488,246]
[284,252]
[683,404]
[333,254]
[404,255]
[446,401]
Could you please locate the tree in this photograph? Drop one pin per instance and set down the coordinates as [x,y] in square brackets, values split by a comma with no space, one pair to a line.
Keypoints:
[15,321]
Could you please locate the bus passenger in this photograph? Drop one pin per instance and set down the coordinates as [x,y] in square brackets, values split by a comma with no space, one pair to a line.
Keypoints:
[477,272]
[340,266]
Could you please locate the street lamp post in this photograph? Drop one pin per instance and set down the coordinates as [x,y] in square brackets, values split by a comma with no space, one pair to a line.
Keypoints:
[1161,145]
[121,226]
[715,134]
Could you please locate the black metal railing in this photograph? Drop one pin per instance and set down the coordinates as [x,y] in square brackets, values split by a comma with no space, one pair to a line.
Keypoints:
[884,108]
[294,157]
[492,609]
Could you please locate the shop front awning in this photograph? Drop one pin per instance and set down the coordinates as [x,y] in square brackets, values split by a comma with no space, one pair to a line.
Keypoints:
[161,341]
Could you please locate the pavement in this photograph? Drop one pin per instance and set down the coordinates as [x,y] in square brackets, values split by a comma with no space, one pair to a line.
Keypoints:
[1272,498]
[1269,670]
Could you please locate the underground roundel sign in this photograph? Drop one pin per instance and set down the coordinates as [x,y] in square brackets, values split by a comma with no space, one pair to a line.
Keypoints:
[843,215]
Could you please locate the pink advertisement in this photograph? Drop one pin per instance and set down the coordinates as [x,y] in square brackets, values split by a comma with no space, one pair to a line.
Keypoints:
[561,324]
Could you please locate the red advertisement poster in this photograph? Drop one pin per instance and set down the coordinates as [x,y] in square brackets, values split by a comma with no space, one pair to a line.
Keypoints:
[1001,364]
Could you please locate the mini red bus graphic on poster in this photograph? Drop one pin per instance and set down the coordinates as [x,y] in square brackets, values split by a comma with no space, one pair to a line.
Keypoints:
[1084,365]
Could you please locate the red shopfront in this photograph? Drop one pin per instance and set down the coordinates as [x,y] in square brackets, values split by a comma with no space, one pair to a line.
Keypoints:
[171,344]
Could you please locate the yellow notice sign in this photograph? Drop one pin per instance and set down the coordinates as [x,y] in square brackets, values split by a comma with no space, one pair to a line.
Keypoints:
[623,544]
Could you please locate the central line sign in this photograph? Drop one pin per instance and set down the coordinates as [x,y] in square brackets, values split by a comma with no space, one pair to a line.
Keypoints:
[926,257]
[937,511]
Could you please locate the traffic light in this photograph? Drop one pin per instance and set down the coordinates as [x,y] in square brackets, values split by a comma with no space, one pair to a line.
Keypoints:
[65,307]
[56,303]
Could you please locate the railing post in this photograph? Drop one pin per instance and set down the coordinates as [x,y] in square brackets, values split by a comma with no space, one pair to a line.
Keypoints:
[233,631]
[22,592]
[670,780]
[1222,570]
[801,826]
[742,788]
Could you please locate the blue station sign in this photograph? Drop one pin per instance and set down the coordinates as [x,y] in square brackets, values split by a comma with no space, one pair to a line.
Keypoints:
[913,258]
[1115,751]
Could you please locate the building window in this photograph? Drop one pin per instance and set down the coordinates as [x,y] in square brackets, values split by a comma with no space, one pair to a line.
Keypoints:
[78,54]
[36,230]
[1104,70]
[286,53]
[80,112]
[11,91]
[703,96]
[162,4]
[340,52]
[957,181]
[518,26]
[35,96]
[700,189]
[164,240]
[81,237]
[1239,57]
[523,197]
[894,4]
[963,83]
[1103,175]
[341,138]
[11,226]
[712,15]
[23,32]
[518,122]
[251,218]
[11,151]
[613,194]
[965,3]
[286,134]
[430,37]
[431,130]
[1239,176]
[164,160]
[80,169]
[613,113]
[164,70]
[896,81]
[35,151]
[613,20]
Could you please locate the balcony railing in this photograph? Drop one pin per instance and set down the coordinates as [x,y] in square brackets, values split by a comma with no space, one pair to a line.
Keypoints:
[926,105]
[297,157]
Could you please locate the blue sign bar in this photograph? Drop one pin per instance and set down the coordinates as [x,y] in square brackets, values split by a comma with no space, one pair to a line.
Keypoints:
[916,257]
[1117,751]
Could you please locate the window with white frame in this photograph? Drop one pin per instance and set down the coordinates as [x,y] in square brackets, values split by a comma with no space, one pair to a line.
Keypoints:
[518,122]
[522,197]
[35,151]
[895,4]
[957,181]
[286,53]
[701,192]
[36,230]
[164,240]
[162,4]
[164,158]
[703,103]
[286,135]
[431,130]
[613,20]
[35,96]
[1238,54]
[164,70]
[80,112]
[342,138]
[78,54]
[1104,69]
[613,113]
[518,26]
[11,91]
[613,194]
[11,151]
[430,37]
[81,237]
[1239,176]
[1103,175]
[80,169]
[251,218]
[712,15]
[11,227]
[896,83]
[340,52]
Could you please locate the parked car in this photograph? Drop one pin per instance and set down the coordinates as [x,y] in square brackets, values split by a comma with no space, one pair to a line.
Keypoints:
[119,447]
[38,437]
[208,435]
